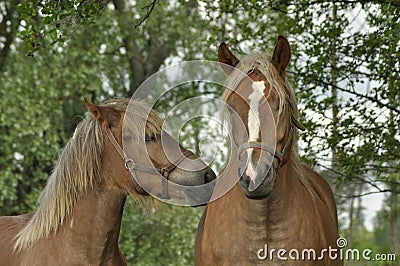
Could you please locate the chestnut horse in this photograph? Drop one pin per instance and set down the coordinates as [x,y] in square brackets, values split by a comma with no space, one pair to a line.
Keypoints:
[78,216]
[280,211]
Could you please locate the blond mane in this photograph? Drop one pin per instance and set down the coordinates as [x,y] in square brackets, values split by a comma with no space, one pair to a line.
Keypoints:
[78,169]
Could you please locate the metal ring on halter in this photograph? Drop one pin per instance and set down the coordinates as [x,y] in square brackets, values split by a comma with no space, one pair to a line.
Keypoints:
[129,164]
[164,172]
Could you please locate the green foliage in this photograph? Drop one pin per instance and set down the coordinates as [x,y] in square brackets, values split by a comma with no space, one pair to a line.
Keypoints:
[359,66]
[161,236]
[50,22]
[30,138]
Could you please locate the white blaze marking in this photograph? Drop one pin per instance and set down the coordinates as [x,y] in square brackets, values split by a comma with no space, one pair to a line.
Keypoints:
[253,122]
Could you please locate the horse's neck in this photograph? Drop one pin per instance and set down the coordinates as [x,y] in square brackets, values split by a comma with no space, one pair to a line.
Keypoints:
[267,219]
[94,227]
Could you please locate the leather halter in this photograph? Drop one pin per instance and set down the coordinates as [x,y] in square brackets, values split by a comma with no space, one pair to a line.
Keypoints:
[259,145]
[131,166]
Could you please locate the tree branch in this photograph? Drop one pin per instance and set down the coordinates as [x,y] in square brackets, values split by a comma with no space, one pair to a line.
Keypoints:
[367,193]
[310,3]
[150,9]
[370,98]
[369,182]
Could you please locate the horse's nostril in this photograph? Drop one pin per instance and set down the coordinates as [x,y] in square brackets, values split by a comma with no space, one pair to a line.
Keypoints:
[209,176]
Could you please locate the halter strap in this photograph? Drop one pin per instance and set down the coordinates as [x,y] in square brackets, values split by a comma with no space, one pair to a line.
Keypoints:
[129,163]
[131,166]
[165,171]
[258,145]
[297,123]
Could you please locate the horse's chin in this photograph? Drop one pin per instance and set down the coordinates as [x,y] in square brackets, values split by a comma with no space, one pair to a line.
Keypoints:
[257,196]
[198,197]
[263,190]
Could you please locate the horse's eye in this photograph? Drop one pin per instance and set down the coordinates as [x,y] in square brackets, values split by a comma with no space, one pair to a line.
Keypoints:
[151,138]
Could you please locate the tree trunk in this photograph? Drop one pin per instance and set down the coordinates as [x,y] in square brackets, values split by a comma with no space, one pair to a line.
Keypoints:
[350,233]
[393,176]
[358,216]
[8,30]
[394,223]
[334,77]
[141,64]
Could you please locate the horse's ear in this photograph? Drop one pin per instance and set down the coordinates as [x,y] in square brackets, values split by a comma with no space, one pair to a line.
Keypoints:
[108,116]
[93,109]
[225,56]
[281,55]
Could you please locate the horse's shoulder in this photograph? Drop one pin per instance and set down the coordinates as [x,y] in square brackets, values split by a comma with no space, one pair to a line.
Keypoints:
[317,181]
[322,189]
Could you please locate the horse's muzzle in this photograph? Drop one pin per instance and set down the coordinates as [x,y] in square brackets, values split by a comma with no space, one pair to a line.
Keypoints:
[260,185]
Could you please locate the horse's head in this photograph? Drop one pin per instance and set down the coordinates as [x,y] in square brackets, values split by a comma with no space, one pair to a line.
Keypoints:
[262,111]
[136,151]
